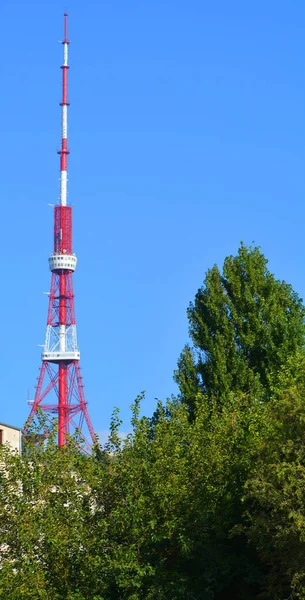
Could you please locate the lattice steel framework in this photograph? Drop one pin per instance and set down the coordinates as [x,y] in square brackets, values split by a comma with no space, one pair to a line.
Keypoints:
[60,371]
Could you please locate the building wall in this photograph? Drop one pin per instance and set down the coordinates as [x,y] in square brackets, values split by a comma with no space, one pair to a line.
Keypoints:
[12,436]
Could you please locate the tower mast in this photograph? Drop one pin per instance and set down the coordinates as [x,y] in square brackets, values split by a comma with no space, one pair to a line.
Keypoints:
[60,355]
[63,423]
[64,118]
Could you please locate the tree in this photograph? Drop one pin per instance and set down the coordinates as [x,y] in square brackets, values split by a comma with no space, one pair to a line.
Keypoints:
[181,484]
[51,523]
[244,325]
[274,499]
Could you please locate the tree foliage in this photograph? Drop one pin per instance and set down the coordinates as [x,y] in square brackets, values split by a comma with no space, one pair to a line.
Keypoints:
[204,508]
[274,492]
[244,325]
[149,518]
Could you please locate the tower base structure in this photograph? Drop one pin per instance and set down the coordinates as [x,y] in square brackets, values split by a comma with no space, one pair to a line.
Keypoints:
[64,378]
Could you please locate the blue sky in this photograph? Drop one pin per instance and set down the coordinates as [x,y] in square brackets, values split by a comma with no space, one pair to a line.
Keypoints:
[186,134]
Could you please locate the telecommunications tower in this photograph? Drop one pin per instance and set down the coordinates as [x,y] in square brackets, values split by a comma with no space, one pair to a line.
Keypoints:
[60,374]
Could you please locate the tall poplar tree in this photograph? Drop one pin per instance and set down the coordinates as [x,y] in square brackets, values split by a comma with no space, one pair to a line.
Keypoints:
[244,324]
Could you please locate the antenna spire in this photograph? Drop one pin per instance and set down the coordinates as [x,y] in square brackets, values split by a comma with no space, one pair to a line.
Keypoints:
[64,119]
[65,40]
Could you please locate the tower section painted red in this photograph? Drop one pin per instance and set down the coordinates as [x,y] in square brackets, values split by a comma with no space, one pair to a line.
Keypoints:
[59,390]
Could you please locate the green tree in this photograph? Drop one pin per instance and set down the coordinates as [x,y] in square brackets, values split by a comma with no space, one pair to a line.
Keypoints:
[52,522]
[244,325]
[274,497]
[179,487]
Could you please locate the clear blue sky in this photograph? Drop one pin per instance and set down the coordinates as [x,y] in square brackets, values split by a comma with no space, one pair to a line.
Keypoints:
[186,136]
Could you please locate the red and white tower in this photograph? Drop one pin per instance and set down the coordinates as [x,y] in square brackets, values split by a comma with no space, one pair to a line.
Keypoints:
[60,370]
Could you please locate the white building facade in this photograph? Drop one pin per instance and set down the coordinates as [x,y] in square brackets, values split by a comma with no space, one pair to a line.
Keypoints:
[11,435]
